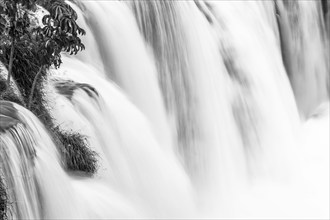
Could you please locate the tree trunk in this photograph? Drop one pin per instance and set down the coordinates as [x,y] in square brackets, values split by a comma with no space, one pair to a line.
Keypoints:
[33,87]
[11,59]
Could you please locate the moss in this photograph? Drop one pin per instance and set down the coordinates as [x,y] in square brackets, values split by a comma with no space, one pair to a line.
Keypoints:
[3,85]
[3,200]
[8,94]
[75,151]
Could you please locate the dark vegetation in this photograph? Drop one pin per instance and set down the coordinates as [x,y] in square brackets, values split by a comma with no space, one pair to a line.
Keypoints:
[8,93]
[76,154]
[28,50]
[3,200]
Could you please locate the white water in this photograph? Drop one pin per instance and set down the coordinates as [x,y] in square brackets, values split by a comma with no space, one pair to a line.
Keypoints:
[193,119]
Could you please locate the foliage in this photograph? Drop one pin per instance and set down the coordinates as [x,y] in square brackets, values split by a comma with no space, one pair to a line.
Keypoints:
[7,93]
[27,48]
[14,17]
[60,33]
[3,200]
[76,152]
[14,24]
[3,86]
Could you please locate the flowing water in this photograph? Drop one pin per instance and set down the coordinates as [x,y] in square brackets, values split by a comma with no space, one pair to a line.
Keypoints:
[305,48]
[198,111]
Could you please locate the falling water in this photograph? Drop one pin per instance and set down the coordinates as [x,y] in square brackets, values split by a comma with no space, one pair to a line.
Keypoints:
[305,48]
[17,158]
[191,109]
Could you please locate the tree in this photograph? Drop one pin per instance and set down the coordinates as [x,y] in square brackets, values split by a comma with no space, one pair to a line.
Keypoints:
[14,22]
[36,49]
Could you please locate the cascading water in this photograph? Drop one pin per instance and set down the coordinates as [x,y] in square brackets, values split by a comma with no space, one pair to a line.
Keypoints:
[17,159]
[190,111]
[305,49]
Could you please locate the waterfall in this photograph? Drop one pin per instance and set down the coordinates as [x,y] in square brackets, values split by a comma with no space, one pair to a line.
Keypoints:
[17,156]
[132,161]
[195,109]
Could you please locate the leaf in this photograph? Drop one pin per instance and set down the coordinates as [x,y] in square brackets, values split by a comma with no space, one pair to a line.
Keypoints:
[45,19]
